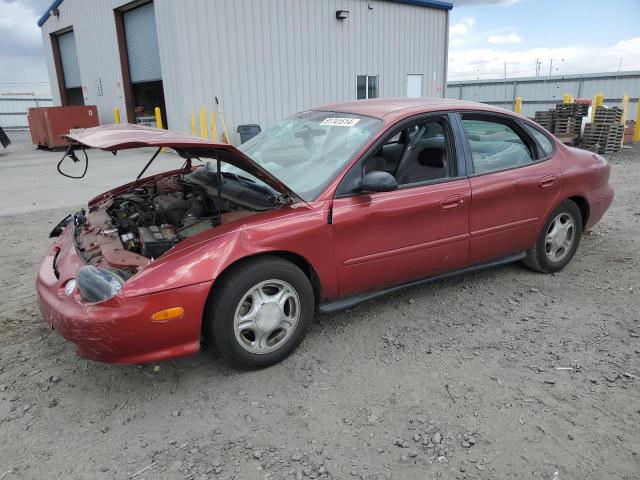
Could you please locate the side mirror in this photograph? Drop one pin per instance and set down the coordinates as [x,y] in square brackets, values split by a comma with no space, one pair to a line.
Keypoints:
[378,182]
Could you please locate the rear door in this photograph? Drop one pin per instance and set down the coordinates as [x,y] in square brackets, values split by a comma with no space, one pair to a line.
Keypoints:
[514,183]
[417,231]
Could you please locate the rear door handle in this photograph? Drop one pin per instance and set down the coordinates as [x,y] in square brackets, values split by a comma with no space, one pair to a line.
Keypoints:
[547,181]
[451,201]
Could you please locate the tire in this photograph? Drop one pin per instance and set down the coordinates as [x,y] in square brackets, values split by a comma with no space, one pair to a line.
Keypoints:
[548,255]
[259,312]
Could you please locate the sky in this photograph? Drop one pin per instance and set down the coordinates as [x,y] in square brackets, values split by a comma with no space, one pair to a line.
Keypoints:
[566,36]
[486,36]
[22,64]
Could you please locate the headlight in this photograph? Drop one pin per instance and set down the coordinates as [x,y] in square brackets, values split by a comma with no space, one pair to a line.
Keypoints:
[98,284]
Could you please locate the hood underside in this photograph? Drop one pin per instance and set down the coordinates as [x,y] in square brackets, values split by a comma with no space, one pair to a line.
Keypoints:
[125,136]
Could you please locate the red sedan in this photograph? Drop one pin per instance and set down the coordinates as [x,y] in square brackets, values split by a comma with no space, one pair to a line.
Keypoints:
[326,209]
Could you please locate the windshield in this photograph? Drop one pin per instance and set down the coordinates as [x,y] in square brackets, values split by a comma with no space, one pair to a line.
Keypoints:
[307,150]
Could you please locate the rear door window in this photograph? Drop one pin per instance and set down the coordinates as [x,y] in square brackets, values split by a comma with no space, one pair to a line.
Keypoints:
[495,145]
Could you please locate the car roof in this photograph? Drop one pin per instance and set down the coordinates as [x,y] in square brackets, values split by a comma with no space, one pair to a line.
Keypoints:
[393,109]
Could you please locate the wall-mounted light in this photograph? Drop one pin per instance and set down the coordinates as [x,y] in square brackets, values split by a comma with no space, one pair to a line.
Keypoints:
[342,14]
[54,12]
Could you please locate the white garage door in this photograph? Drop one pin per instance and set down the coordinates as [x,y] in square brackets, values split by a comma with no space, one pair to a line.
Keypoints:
[69,60]
[142,44]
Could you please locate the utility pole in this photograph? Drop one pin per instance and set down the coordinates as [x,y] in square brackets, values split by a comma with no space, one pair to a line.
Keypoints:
[550,66]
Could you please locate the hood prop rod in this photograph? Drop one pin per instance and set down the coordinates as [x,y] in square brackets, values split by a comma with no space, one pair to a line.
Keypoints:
[148,163]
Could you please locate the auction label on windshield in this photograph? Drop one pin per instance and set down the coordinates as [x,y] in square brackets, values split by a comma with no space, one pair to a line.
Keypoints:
[340,122]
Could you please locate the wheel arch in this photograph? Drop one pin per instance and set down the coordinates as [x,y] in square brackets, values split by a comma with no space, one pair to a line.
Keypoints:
[295,258]
[583,206]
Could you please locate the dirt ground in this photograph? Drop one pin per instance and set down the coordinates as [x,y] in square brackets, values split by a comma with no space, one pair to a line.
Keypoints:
[500,374]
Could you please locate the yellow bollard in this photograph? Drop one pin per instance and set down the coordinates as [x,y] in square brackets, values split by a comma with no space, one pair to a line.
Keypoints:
[636,131]
[203,122]
[214,133]
[158,117]
[598,101]
[625,110]
[518,105]
[193,124]
[116,115]
[566,98]
[158,114]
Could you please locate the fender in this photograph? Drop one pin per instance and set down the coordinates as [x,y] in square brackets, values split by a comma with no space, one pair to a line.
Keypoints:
[205,256]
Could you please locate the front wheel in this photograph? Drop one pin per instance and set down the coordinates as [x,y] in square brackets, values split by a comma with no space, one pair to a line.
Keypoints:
[558,240]
[259,312]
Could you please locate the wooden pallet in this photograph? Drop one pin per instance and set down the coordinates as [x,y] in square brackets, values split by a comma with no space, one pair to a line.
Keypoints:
[603,137]
[608,115]
[545,119]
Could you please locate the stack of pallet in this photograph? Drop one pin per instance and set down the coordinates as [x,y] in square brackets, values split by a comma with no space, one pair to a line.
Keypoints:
[545,119]
[568,121]
[604,135]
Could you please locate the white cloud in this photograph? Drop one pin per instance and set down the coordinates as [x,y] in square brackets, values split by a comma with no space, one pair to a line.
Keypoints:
[460,31]
[508,39]
[21,50]
[487,63]
[19,23]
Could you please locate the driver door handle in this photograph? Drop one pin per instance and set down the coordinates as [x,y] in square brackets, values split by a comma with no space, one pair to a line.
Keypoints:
[452,201]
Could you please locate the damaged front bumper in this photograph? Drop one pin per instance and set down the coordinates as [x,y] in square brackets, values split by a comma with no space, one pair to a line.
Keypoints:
[121,329]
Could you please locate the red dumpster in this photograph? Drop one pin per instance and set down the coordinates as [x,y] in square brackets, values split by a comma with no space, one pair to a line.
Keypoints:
[48,124]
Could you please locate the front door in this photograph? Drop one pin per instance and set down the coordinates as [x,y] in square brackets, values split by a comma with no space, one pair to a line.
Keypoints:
[513,187]
[417,231]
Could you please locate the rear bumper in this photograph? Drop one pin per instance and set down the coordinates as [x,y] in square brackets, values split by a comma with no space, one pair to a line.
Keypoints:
[600,199]
[119,330]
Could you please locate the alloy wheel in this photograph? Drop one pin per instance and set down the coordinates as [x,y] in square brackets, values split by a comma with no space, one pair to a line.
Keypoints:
[267,316]
[560,237]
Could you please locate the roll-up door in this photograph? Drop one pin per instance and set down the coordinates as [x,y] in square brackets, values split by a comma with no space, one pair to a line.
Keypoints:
[142,44]
[70,68]
[143,61]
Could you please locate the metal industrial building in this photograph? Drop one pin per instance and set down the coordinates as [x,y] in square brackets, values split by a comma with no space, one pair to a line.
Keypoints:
[543,93]
[14,106]
[265,59]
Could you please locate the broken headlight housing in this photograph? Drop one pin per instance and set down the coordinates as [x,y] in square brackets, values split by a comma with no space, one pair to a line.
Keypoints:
[98,284]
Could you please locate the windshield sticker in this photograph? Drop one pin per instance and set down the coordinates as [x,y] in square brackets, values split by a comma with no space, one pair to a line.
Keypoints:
[340,122]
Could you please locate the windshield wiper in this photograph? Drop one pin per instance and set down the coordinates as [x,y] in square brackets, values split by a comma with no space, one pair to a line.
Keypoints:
[237,177]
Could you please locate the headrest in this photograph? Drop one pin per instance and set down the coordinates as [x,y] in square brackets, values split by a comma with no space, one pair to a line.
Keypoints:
[432,157]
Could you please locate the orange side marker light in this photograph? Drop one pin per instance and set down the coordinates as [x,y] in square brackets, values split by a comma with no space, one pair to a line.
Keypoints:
[168,314]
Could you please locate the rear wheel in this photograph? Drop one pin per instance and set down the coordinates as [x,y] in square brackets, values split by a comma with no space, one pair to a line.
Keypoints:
[558,240]
[260,311]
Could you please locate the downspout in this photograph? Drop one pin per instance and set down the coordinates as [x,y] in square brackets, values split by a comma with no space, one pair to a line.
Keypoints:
[446,56]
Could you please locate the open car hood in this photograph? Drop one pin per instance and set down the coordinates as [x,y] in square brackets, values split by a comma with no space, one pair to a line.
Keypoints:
[125,135]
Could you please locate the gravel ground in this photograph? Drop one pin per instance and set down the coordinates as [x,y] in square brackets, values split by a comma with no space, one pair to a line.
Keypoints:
[500,374]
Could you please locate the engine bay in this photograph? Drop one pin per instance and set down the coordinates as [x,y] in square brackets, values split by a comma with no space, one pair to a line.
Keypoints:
[131,228]
[151,219]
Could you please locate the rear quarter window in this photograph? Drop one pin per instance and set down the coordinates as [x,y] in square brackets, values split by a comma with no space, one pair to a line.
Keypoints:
[544,142]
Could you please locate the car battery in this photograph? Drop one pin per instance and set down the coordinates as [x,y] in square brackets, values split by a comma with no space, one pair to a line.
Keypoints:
[154,240]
